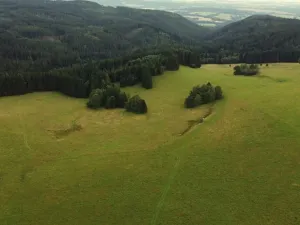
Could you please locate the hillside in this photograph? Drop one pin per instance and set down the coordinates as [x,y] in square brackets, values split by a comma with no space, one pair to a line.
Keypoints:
[80,29]
[67,46]
[256,39]
[260,32]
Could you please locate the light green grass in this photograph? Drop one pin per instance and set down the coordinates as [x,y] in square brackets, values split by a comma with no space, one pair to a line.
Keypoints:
[241,166]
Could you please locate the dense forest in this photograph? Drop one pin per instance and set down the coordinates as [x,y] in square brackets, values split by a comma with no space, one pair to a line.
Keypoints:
[70,46]
[256,39]
[76,46]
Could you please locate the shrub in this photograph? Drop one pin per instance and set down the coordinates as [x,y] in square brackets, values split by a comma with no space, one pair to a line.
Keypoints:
[136,105]
[202,95]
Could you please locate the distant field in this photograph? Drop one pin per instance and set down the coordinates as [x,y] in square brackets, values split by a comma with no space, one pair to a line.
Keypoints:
[240,167]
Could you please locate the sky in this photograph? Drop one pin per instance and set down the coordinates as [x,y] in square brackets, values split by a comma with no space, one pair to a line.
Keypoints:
[237,1]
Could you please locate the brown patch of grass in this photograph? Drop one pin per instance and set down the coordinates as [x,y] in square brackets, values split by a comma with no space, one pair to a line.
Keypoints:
[67,131]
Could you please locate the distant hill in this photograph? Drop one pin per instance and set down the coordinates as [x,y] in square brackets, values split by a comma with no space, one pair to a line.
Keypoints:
[260,32]
[86,29]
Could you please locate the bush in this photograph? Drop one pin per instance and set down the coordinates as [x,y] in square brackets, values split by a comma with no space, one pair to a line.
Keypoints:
[202,95]
[246,70]
[136,105]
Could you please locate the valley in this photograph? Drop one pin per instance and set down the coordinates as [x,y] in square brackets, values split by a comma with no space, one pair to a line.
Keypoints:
[114,115]
[122,168]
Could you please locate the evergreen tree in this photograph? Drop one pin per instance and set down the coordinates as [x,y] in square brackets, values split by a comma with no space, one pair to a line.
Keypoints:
[198,100]
[219,93]
[122,99]
[96,99]
[111,102]
[146,78]
[136,105]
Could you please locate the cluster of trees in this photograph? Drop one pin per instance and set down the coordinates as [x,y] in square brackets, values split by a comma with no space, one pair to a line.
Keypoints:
[78,80]
[246,69]
[109,97]
[203,94]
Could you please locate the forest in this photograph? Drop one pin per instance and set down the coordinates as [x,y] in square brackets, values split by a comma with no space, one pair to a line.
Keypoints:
[73,47]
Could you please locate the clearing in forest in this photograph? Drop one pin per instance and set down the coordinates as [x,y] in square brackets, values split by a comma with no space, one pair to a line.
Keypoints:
[61,163]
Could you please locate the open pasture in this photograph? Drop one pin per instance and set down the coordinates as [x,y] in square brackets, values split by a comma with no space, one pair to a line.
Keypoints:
[61,163]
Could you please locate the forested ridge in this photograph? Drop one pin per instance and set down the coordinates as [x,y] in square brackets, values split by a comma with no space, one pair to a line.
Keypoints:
[256,39]
[75,46]
[70,46]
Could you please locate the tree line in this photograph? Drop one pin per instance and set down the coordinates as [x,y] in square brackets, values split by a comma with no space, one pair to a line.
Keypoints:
[80,79]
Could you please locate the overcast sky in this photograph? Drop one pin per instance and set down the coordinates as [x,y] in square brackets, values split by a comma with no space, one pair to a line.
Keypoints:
[225,1]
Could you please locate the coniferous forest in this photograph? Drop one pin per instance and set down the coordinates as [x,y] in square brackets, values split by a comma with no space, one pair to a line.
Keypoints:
[75,47]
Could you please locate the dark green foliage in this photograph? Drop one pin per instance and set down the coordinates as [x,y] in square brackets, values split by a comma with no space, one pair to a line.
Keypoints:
[110,97]
[256,39]
[198,100]
[202,95]
[146,78]
[96,99]
[218,92]
[111,102]
[189,102]
[136,105]
[75,46]
[122,99]
[245,69]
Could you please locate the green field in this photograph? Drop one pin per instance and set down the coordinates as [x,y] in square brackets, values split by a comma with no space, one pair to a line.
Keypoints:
[240,167]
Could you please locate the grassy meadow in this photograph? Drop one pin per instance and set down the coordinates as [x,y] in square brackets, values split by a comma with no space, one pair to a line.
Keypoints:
[240,167]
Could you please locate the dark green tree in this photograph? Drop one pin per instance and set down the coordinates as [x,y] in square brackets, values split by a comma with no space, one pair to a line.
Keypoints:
[189,102]
[111,102]
[146,78]
[96,99]
[136,105]
[218,92]
[122,99]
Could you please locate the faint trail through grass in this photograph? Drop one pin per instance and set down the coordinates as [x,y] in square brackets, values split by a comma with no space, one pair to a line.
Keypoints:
[165,192]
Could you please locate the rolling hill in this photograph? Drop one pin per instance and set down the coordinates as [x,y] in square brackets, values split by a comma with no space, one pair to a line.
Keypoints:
[259,32]
[86,29]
